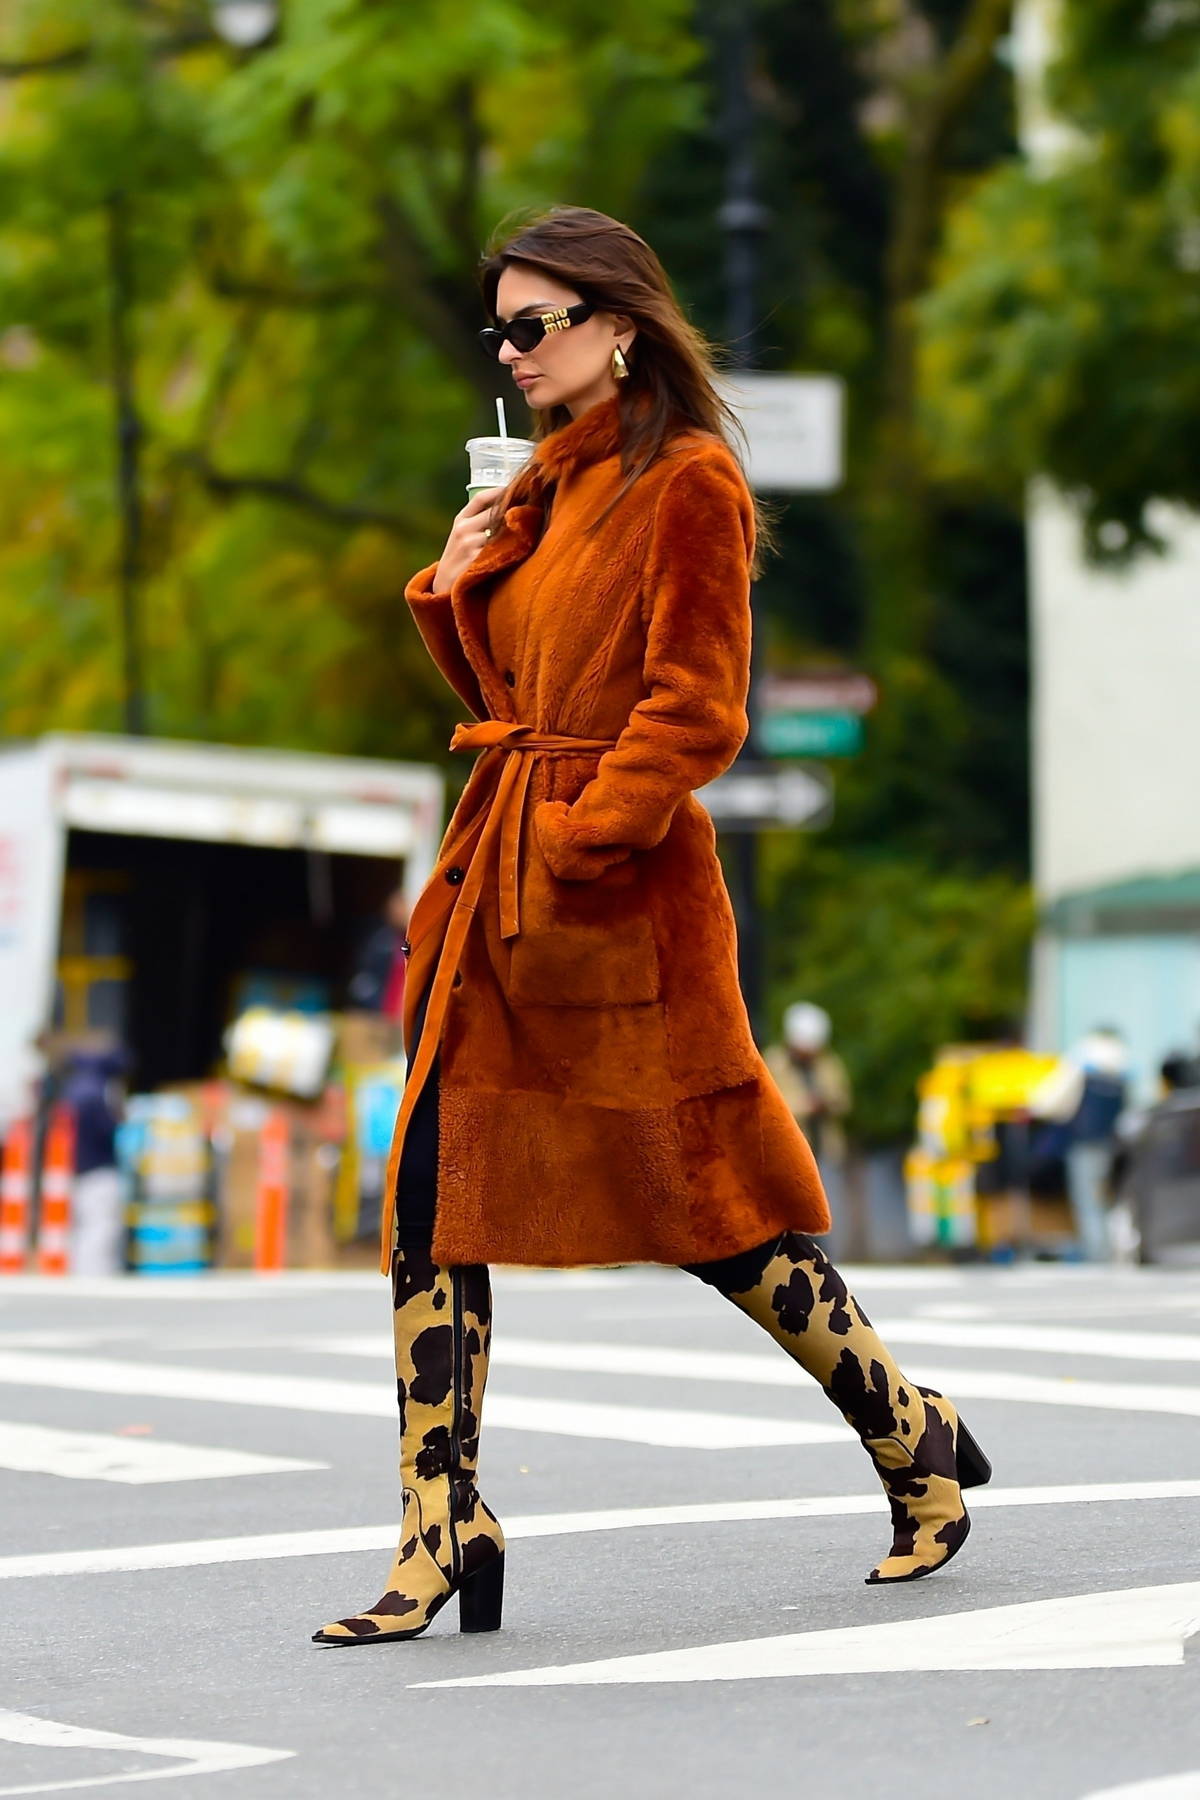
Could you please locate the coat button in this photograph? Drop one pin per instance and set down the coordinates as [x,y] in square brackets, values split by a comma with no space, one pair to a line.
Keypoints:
[406,948]
[457,982]
[454,875]
[510,678]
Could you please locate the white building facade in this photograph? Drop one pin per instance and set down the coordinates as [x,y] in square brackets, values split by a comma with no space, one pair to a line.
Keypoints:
[1116,790]
[1116,744]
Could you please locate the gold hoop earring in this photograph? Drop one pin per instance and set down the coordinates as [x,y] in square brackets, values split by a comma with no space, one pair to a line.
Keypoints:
[620,368]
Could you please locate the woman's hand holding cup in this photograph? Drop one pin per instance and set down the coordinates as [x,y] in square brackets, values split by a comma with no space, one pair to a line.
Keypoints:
[468,534]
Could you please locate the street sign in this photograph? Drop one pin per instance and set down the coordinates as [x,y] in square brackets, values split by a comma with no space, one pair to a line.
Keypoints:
[810,733]
[793,426]
[757,797]
[817,691]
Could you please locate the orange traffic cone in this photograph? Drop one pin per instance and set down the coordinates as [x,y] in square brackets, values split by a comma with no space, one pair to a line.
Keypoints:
[270,1224]
[14,1198]
[54,1225]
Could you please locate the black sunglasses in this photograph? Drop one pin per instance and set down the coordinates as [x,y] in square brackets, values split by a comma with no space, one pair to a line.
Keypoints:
[525,334]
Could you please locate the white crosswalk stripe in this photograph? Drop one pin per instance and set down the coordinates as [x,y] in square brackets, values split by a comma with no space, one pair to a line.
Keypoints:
[1053,1340]
[673,1429]
[92,1456]
[757,1370]
[1170,1787]
[1133,1628]
[188,1756]
[135,1461]
[344,1540]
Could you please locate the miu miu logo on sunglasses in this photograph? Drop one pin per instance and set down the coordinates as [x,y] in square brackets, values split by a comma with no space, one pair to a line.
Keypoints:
[556,321]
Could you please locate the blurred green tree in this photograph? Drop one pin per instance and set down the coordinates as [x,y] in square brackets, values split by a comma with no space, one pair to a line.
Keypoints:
[905,955]
[1060,336]
[874,116]
[286,241]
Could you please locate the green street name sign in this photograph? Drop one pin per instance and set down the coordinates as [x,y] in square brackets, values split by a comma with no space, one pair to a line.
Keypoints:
[810,734]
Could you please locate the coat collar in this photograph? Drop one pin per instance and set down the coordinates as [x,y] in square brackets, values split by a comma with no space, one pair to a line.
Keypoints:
[593,437]
[468,598]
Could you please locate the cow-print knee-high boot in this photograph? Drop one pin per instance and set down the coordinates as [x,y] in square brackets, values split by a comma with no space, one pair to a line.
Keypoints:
[449,1543]
[922,1452]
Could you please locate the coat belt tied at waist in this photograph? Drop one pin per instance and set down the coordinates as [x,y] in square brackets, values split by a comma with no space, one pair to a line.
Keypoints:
[504,823]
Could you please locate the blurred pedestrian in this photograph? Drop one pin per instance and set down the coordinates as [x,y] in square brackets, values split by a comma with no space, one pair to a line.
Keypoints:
[1082,1100]
[812,1079]
[583,1085]
[1175,1073]
[377,984]
[91,1088]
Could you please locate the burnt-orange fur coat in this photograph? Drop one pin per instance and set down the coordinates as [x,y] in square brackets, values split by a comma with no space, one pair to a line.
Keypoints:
[601,1097]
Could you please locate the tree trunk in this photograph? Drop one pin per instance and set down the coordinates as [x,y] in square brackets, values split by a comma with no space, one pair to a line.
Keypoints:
[900,511]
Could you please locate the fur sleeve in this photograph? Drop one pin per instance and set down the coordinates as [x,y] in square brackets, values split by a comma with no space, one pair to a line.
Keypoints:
[435,622]
[692,721]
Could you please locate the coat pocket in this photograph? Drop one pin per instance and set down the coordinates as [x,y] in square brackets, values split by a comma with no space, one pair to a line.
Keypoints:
[589,947]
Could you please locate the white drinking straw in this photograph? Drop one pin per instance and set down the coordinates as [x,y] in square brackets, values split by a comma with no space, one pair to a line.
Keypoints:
[500,419]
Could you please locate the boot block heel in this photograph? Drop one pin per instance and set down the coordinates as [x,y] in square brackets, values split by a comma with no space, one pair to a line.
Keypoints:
[974,1469]
[481,1597]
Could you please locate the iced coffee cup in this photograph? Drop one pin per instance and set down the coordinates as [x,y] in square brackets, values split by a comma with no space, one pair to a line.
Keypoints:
[495,460]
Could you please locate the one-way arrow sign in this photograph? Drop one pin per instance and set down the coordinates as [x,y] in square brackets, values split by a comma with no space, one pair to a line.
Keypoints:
[757,797]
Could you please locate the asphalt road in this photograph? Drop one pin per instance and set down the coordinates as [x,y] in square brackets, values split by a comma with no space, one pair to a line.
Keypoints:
[195,1476]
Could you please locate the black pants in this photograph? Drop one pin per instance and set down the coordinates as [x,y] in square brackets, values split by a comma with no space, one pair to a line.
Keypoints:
[416,1179]
[416,1187]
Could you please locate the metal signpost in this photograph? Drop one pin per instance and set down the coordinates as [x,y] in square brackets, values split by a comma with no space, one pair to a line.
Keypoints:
[794,432]
[793,427]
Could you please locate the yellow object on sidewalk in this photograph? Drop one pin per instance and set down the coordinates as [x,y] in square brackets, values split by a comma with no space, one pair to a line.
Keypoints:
[970,1092]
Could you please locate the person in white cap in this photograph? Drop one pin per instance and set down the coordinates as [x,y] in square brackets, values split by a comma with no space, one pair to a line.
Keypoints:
[812,1079]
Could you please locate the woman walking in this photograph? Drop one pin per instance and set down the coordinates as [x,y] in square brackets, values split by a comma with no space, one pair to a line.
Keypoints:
[583,1086]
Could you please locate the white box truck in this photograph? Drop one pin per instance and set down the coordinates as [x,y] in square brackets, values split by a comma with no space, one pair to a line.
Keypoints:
[149,888]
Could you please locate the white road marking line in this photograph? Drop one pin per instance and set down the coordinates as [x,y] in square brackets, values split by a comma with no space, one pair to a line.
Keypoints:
[900,1275]
[661,1426]
[1131,1628]
[199,1757]
[1164,1787]
[177,1381]
[1058,1390]
[375,1345]
[531,1280]
[1064,1340]
[1101,1292]
[65,1340]
[667,1429]
[173,1288]
[578,1357]
[955,1309]
[247,1285]
[579,1418]
[1122,1303]
[345,1540]
[779,1371]
[100,1456]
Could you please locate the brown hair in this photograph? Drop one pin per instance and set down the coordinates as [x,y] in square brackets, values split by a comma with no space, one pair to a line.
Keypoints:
[672,369]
